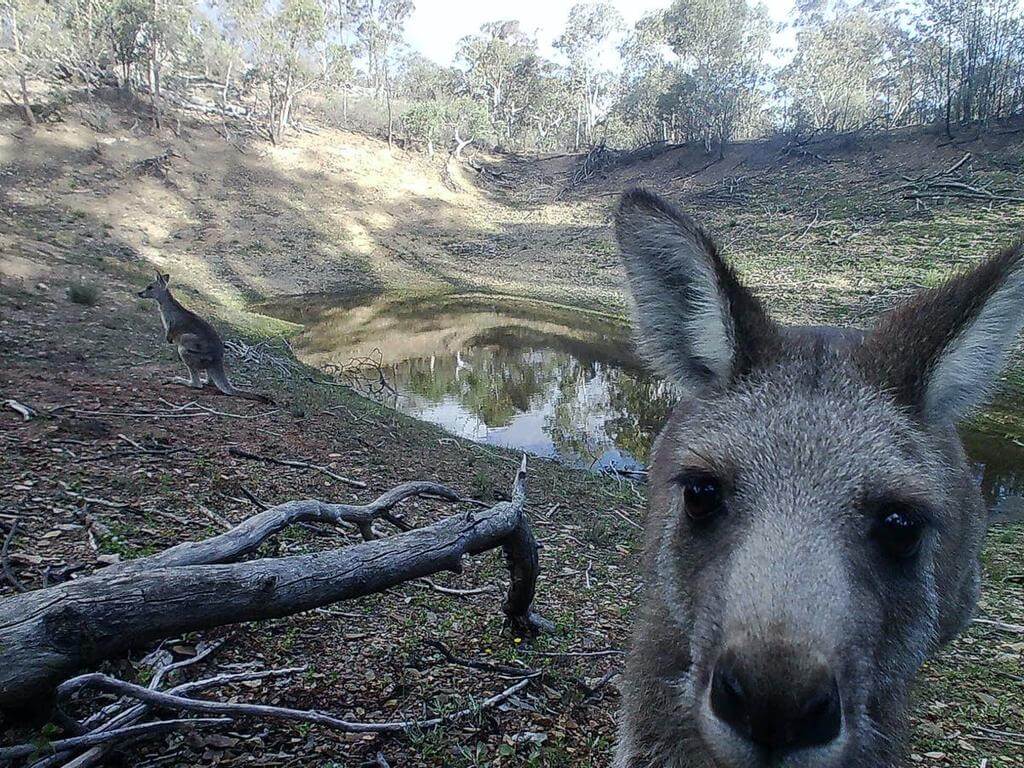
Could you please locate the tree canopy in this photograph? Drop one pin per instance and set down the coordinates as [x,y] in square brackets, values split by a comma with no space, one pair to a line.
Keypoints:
[695,71]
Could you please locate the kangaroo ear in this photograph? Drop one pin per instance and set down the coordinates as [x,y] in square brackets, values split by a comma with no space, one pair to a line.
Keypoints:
[699,327]
[940,352]
[165,279]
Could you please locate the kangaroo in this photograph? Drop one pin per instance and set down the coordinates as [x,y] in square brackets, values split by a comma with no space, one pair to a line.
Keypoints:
[813,530]
[199,345]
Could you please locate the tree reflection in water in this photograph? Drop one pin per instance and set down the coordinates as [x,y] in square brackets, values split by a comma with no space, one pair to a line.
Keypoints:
[554,381]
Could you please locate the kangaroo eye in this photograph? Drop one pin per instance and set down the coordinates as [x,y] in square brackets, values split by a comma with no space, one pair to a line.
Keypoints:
[899,532]
[702,496]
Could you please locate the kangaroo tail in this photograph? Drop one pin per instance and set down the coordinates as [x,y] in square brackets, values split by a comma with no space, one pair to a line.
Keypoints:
[220,380]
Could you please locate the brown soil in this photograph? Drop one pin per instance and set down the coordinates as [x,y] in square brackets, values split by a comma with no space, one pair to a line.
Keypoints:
[331,211]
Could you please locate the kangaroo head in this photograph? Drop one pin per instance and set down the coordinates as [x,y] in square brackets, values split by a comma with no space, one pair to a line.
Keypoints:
[814,527]
[157,288]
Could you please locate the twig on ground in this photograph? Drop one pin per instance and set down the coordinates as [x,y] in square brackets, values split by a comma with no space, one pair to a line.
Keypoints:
[591,691]
[27,412]
[455,592]
[5,559]
[101,737]
[295,464]
[504,670]
[215,412]
[573,654]
[135,712]
[232,709]
[1001,626]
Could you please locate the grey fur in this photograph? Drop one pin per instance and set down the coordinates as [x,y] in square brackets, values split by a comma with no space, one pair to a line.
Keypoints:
[197,342]
[809,428]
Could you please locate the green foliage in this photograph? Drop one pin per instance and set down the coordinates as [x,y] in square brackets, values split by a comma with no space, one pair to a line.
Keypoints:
[426,121]
[435,122]
[86,294]
[588,27]
[125,23]
[695,71]
[32,37]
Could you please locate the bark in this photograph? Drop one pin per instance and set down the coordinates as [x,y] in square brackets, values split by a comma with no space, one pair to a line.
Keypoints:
[51,633]
[391,118]
[460,144]
[26,105]
[154,70]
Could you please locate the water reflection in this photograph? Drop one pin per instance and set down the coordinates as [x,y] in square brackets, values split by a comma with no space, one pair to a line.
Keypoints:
[553,381]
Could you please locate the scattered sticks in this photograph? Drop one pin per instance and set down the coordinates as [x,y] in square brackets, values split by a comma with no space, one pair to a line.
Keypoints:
[950,184]
[1001,626]
[101,737]
[295,464]
[53,632]
[226,710]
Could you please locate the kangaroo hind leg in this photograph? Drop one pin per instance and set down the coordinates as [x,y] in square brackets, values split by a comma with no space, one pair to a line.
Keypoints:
[195,379]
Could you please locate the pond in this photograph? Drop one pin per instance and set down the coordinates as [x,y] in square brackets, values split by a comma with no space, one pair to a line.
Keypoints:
[552,381]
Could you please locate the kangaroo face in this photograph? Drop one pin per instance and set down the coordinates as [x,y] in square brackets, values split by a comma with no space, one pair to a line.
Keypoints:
[800,527]
[814,528]
[155,289]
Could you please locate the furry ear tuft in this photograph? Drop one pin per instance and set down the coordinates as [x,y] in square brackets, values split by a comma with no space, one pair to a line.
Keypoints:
[698,326]
[940,352]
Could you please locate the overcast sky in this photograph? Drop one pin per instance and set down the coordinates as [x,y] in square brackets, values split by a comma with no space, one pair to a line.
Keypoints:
[437,26]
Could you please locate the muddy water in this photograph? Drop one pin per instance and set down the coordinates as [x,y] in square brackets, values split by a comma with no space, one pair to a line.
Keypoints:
[552,381]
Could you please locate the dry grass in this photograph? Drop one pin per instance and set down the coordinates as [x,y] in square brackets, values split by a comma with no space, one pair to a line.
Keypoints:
[333,211]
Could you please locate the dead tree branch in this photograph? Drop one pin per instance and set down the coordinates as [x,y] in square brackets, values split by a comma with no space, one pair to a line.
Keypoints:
[100,737]
[246,537]
[51,633]
[951,184]
[162,700]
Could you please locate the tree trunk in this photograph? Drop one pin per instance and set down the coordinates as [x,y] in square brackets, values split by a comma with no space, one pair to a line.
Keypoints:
[26,105]
[460,144]
[154,90]
[387,95]
[50,633]
[227,85]
[286,106]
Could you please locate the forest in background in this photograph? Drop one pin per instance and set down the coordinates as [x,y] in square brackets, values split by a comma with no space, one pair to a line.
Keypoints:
[707,71]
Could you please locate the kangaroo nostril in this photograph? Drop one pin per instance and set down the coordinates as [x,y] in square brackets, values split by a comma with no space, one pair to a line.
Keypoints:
[775,708]
[727,699]
[822,718]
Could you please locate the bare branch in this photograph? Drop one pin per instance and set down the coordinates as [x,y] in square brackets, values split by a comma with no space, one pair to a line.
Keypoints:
[101,737]
[50,633]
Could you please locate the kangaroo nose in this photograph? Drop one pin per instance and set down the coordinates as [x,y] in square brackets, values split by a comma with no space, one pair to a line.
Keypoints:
[773,705]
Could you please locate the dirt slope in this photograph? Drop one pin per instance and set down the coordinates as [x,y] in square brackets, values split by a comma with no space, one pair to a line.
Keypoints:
[96,202]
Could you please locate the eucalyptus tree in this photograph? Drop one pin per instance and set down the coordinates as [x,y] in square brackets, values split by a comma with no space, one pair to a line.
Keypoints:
[590,26]
[31,38]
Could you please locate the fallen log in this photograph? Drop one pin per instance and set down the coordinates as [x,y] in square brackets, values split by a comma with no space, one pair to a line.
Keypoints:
[48,634]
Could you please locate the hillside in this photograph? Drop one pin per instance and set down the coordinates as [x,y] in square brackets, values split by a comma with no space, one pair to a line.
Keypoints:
[118,464]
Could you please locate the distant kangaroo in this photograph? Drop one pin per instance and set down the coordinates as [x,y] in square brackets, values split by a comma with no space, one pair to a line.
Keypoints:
[199,345]
[813,529]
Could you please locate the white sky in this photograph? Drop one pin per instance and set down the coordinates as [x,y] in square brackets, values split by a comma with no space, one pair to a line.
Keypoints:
[436,26]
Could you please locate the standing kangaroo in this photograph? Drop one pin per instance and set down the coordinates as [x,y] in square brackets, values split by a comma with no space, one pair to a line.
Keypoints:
[813,530]
[199,345]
